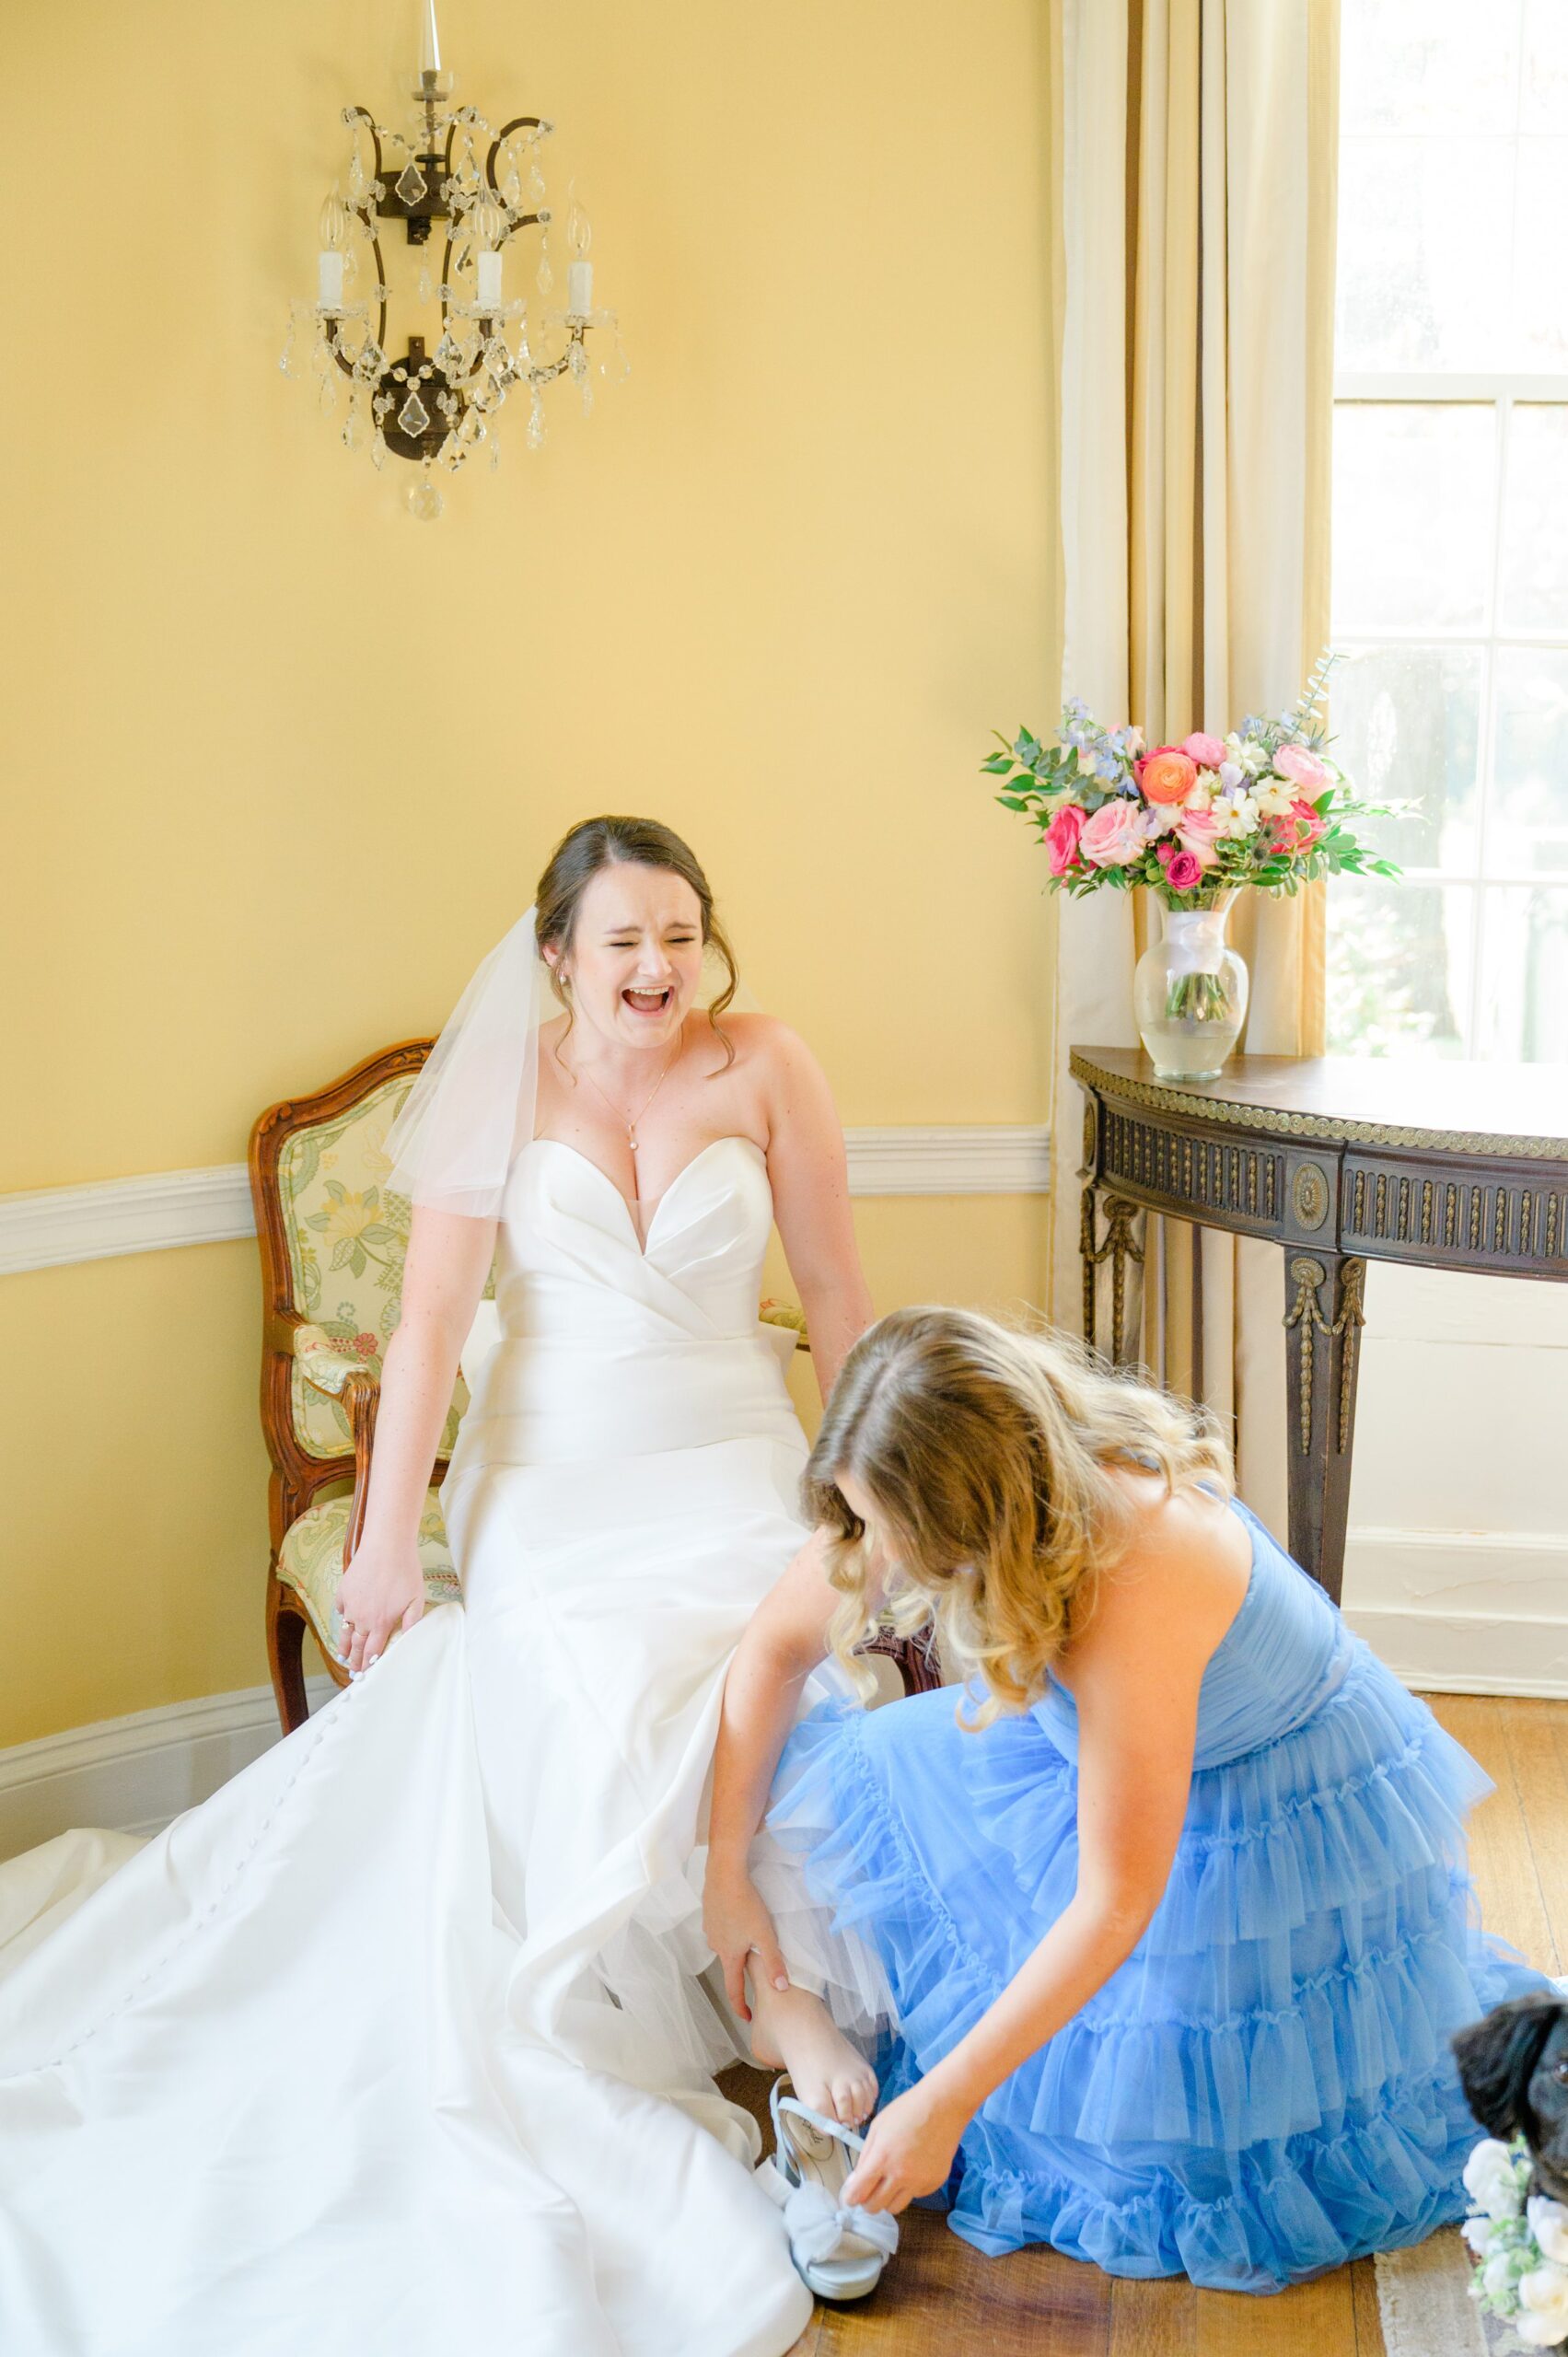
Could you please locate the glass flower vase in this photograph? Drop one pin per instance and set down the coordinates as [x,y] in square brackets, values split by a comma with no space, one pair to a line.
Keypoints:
[1189,994]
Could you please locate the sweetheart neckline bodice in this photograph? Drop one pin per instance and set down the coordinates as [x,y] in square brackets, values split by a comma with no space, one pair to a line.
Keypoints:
[643,1242]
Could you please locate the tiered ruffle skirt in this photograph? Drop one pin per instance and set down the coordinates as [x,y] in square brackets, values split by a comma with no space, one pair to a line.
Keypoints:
[1264,2089]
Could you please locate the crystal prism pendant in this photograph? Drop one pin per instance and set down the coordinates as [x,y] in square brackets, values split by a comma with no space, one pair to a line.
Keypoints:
[414,417]
[410,186]
[449,355]
[426,502]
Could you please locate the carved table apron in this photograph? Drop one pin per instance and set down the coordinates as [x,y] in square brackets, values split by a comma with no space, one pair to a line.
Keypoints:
[1342,1160]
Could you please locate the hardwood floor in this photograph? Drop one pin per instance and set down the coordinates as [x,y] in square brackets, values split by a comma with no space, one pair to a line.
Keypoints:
[941,2299]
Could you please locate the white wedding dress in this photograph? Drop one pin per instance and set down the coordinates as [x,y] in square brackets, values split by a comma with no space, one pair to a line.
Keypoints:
[396,2044]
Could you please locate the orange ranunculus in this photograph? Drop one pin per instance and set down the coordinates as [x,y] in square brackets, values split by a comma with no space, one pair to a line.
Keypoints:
[1168,774]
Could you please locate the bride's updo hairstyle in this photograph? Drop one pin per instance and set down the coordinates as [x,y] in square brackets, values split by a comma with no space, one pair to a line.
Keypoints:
[990,1453]
[596,843]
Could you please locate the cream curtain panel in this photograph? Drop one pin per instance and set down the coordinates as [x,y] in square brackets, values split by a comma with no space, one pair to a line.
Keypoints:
[1199,153]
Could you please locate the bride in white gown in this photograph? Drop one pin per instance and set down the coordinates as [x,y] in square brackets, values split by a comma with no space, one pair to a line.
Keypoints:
[398,2044]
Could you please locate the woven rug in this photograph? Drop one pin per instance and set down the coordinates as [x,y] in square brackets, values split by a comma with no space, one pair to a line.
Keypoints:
[1424,2305]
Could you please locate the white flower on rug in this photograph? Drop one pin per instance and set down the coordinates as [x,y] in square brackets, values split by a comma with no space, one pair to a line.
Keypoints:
[1542,2320]
[1492,2179]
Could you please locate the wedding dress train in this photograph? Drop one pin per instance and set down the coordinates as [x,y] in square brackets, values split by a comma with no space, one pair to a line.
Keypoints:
[397,2043]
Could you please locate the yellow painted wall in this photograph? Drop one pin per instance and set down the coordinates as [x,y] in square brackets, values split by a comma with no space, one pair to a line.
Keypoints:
[283,762]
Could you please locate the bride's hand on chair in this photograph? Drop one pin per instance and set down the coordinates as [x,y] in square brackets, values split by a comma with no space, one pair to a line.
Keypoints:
[381,1592]
[741,1933]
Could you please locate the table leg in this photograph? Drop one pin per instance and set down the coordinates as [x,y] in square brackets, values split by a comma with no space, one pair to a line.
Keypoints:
[1323,1321]
[1120,1246]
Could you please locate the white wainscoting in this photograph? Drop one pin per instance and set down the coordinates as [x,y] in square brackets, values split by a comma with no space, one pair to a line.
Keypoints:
[132,1775]
[50,1226]
[1456,1556]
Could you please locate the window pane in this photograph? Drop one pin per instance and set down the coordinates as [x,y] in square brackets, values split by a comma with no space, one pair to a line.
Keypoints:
[1534,588]
[1399,959]
[1524,1012]
[1539,336]
[1545,93]
[1407,724]
[1528,814]
[1426,230]
[1412,515]
[1431,65]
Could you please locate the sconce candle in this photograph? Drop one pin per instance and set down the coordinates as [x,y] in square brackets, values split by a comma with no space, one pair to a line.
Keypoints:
[329,282]
[487,281]
[579,288]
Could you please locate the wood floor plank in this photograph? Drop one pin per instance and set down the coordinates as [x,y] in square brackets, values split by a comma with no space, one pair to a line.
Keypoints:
[1154,2319]
[939,2296]
[1501,1858]
[1369,2342]
[1537,1740]
[1310,2320]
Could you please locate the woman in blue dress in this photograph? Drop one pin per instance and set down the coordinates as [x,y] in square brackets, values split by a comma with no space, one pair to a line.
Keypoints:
[1174,1907]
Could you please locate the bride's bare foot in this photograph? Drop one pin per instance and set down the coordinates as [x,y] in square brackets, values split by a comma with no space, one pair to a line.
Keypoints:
[793,2031]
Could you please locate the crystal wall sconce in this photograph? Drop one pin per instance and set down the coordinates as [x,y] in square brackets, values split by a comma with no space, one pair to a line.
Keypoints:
[439,409]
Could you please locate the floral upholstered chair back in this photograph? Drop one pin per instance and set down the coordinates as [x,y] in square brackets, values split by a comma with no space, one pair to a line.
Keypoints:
[346,1238]
[333,1239]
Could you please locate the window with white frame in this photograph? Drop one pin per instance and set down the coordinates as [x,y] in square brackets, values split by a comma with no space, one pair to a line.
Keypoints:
[1450,526]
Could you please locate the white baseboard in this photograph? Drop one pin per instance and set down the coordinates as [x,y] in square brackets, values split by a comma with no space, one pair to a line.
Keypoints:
[1463,1611]
[132,1775]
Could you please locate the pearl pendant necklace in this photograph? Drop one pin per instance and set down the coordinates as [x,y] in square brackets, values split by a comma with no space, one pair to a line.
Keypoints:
[631,1126]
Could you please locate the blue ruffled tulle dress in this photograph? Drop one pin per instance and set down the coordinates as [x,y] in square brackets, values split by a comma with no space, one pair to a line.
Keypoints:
[1264,2089]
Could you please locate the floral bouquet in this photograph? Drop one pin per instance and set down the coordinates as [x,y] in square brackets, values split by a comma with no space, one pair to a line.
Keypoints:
[1194,822]
[1520,2243]
[1264,806]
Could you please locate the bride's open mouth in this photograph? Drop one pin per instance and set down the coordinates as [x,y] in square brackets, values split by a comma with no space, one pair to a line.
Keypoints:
[651,1003]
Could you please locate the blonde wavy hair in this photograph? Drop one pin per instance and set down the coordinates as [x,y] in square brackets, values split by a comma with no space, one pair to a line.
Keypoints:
[991,1452]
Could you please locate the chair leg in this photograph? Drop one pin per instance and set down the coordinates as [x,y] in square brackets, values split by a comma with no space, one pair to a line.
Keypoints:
[914,1658]
[285,1643]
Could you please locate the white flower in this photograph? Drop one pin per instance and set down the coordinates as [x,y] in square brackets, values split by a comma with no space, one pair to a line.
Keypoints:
[1239,813]
[1491,2181]
[1498,2274]
[1253,758]
[1273,797]
[1478,2233]
[1200,793]
[1542,2320]
[1548,2225]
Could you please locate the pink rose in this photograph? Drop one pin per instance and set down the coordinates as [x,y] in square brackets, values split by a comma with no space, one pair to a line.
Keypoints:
[1207,751]
[1198,832]
[1113,836]
[1061,838]
[1298,830]
[1181,870]
[1302,768]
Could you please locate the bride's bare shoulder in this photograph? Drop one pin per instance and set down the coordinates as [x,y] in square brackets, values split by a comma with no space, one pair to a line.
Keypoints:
[765,1042]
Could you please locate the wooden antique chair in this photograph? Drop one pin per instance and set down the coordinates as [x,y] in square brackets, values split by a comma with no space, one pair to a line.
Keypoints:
[332,1241]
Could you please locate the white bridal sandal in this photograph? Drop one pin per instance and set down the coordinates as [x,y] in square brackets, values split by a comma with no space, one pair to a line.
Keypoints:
[839,2248]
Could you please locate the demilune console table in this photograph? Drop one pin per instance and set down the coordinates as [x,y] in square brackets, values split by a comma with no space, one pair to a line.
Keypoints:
[1342,1160]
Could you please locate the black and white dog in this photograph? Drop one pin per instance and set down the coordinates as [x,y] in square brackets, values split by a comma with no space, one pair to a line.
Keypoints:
[1514,2069]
